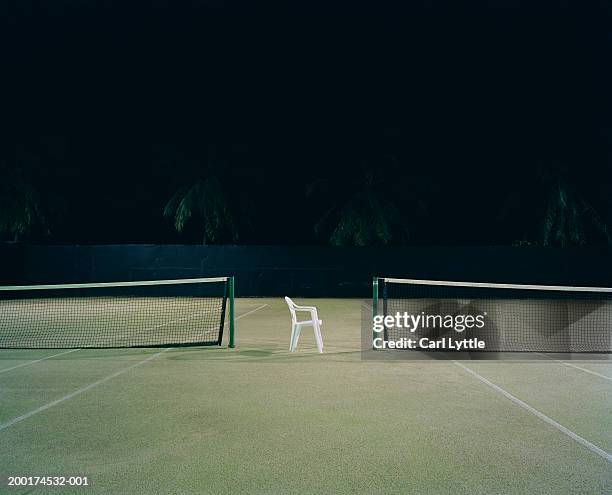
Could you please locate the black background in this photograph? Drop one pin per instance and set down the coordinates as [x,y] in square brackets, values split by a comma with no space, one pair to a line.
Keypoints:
[468,96]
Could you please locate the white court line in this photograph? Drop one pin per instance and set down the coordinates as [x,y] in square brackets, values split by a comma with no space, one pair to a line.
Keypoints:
[27,415]
[76,392]
[585,370]
[560,361]
[577,438]
[37,360]
[198,314]
[252,311]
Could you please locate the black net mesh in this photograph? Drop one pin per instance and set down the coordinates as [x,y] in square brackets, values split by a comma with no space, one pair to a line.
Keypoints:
[514,320]
[106,315]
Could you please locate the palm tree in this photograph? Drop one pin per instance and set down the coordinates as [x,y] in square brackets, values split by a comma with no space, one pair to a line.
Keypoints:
[368,210]
[205,200]
[568,215]
[557,212]
[21,207]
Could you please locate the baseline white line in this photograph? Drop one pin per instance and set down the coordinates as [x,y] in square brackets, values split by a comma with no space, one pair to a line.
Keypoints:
[37,360]
[585,370]
[18,419]
[574,436]
[252,311]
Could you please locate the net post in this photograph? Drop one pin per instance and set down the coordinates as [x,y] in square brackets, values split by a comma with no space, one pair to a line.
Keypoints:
[385,309]
[374,305]
[231,312]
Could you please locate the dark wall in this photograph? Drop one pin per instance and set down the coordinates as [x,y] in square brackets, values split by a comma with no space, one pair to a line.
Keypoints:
[302,271]
[11,263]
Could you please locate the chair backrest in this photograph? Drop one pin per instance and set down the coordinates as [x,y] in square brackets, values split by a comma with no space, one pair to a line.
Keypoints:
[291,305]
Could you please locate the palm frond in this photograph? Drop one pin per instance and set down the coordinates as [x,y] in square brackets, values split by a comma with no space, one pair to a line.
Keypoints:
[370,208]
[596,220]
[21,209]
[566,215]
[204,200]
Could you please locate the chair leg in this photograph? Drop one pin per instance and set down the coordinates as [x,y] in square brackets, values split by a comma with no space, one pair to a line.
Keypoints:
[296,337]
[292,338]
[318,338]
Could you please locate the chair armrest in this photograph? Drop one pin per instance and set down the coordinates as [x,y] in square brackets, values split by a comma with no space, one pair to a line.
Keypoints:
[304,308]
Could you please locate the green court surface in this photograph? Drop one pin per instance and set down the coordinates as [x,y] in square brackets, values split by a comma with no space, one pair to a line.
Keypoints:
[258,419]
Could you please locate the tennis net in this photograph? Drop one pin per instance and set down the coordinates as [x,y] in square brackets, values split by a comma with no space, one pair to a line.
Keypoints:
[122,314]
[506,317]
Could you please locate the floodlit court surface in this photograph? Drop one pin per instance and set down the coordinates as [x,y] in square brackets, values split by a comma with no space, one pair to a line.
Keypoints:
[258,419]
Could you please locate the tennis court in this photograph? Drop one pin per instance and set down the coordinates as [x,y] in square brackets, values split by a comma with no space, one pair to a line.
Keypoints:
[257,419]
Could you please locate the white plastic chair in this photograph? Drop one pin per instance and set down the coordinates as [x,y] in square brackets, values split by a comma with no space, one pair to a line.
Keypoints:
[296,326]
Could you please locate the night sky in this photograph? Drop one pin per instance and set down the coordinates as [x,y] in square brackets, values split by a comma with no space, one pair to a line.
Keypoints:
[457,103]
